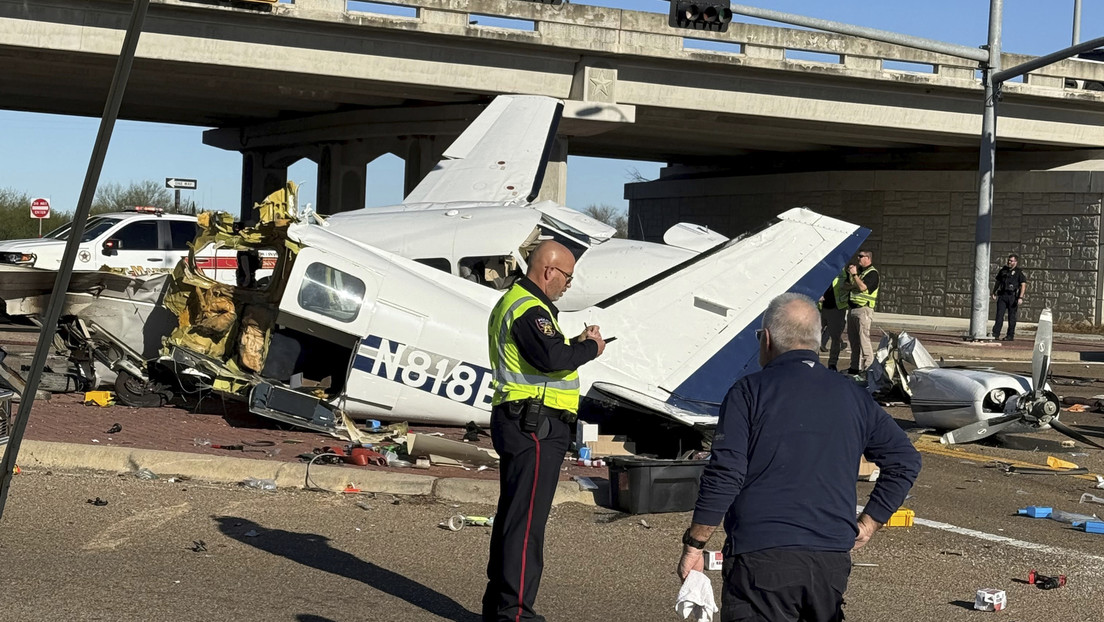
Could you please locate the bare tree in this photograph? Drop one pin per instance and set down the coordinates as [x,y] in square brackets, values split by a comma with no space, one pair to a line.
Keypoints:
[115,197]
[611,216]
[634,175]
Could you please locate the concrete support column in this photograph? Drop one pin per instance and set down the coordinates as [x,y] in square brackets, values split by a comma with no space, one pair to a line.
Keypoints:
[421,154]
[554,187]
[341,177]
[259,179]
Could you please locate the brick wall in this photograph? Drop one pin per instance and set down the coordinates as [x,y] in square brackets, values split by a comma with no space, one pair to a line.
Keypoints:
[922,228]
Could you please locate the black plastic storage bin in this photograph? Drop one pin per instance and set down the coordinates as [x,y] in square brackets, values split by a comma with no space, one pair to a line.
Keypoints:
[649,486]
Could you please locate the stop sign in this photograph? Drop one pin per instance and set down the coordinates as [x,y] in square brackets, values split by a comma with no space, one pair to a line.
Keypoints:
[40,208]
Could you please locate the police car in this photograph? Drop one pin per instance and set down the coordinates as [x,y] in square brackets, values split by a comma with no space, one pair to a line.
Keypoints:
[139,242]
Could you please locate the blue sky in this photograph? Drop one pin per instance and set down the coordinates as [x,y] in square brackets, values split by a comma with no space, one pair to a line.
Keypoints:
[47,155]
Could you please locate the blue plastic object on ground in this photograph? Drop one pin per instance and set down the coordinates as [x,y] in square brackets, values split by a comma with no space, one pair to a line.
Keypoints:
[1092,526]
[1035,511]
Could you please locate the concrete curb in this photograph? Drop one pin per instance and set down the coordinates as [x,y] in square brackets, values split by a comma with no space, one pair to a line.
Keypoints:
[231,470]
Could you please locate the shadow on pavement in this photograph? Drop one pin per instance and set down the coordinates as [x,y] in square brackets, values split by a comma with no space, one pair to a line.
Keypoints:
[315,551]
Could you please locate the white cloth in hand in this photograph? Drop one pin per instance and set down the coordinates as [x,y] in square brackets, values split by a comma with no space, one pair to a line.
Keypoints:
[695,599]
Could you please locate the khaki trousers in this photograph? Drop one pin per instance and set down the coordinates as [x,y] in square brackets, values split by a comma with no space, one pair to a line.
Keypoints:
[858,335]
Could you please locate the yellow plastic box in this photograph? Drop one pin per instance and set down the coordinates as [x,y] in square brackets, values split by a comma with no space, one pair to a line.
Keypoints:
[901,518]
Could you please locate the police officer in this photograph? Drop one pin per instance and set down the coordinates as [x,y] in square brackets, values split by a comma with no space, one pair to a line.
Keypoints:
[833,317]
[536,400]
[863,282]
[1008,291]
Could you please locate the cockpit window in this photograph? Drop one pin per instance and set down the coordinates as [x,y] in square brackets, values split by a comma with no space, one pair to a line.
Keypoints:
[331,292]
[440,263]
[497,272]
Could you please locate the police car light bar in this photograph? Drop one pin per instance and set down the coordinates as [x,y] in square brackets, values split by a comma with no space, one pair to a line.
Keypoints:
[149,209]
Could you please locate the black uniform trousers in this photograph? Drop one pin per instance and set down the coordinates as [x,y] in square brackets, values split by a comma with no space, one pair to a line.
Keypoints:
[784,585]
[1006,302]
[529,470]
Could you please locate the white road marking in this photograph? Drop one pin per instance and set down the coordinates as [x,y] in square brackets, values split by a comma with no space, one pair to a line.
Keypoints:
[142,522]
[1022,544]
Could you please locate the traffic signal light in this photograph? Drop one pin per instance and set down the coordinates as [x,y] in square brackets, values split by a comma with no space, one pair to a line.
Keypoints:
[712,15]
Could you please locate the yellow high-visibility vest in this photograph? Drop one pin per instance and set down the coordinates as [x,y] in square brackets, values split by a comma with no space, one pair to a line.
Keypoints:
[867,298]
[514,378]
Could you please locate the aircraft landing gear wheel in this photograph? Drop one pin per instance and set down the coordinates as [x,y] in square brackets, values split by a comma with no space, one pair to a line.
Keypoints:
[134,391]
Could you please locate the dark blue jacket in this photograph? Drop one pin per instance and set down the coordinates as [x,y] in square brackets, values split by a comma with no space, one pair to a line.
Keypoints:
[786,458]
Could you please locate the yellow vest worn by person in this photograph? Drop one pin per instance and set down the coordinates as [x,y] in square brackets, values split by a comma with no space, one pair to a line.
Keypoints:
[839,289]
[867,298]
[514,378]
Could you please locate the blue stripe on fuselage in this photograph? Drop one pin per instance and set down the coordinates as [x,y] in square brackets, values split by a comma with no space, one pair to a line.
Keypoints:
[740,356]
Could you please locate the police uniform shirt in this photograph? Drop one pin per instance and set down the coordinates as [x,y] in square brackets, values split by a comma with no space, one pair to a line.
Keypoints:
[541,344]
[1008,281]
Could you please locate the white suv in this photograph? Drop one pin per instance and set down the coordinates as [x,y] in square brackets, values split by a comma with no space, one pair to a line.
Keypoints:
[140,242]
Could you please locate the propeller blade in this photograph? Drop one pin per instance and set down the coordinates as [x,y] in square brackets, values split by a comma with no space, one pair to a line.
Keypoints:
[979,429]
[1074,434]
[1040,359]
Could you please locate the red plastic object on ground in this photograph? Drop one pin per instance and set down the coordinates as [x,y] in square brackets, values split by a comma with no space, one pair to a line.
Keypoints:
[1044,582]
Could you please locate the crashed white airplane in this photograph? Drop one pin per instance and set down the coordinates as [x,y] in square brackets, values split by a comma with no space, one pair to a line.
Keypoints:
[973,404]
[359,320]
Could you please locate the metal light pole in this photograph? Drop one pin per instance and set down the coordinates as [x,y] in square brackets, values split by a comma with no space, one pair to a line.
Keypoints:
[80,218]
[1076,22]
[986,168]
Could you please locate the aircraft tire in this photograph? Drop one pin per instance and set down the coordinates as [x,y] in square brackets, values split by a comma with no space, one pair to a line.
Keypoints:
[138,393]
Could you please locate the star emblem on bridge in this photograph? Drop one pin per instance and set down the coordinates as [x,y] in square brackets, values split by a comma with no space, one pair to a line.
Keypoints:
[601,85]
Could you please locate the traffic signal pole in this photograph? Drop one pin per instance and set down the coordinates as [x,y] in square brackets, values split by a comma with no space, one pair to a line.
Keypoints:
[80,219]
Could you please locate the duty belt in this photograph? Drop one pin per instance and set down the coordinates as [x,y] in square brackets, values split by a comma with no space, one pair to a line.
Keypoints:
[546,411]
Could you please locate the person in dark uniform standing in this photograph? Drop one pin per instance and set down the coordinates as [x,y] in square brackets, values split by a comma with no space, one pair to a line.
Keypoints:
[782,476]
[1008,291]
[833,317]
[536,401]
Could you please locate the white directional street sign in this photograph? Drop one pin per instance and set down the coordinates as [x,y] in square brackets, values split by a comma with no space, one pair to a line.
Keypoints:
[185,184]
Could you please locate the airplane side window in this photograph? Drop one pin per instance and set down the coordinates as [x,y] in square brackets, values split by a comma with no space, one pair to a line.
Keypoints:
[330,292]
[497,272]
[440,263]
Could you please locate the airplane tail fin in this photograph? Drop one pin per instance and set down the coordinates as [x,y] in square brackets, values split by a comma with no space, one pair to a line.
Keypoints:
[690,332]
[500,157]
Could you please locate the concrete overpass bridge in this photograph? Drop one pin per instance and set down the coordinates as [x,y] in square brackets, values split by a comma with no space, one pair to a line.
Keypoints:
[332,81]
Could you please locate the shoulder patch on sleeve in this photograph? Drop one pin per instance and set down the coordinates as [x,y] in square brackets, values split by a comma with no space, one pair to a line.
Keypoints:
[545,326]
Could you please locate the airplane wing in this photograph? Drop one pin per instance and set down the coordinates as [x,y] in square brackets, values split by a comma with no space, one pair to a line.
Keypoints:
[500,157]
[686,335]
[690,414]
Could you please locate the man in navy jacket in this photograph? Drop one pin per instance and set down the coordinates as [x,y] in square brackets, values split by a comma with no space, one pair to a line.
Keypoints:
[782,475]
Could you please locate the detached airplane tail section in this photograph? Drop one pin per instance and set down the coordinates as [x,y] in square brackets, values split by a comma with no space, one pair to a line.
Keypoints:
[500,157]
[689,333]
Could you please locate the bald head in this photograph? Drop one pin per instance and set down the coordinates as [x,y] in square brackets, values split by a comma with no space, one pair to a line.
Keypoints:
[792,323]
[551,268]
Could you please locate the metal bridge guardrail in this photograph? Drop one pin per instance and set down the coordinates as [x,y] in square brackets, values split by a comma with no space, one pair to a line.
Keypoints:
[626,32]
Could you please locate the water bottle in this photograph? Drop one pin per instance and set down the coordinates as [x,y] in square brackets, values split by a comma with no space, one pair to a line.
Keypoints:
[260,484]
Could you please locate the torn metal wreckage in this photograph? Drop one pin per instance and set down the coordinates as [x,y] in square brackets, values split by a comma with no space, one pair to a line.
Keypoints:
[381,313]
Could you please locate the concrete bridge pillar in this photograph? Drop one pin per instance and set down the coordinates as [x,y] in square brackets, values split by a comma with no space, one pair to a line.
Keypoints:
[554,186]
[341,176]
[260,178]
[421,154]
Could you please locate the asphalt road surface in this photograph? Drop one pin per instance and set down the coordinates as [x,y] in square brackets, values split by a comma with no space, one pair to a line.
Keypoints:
[195,551]
[191,551]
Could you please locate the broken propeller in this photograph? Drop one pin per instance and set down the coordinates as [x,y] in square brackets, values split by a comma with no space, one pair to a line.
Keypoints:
[1033,409]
